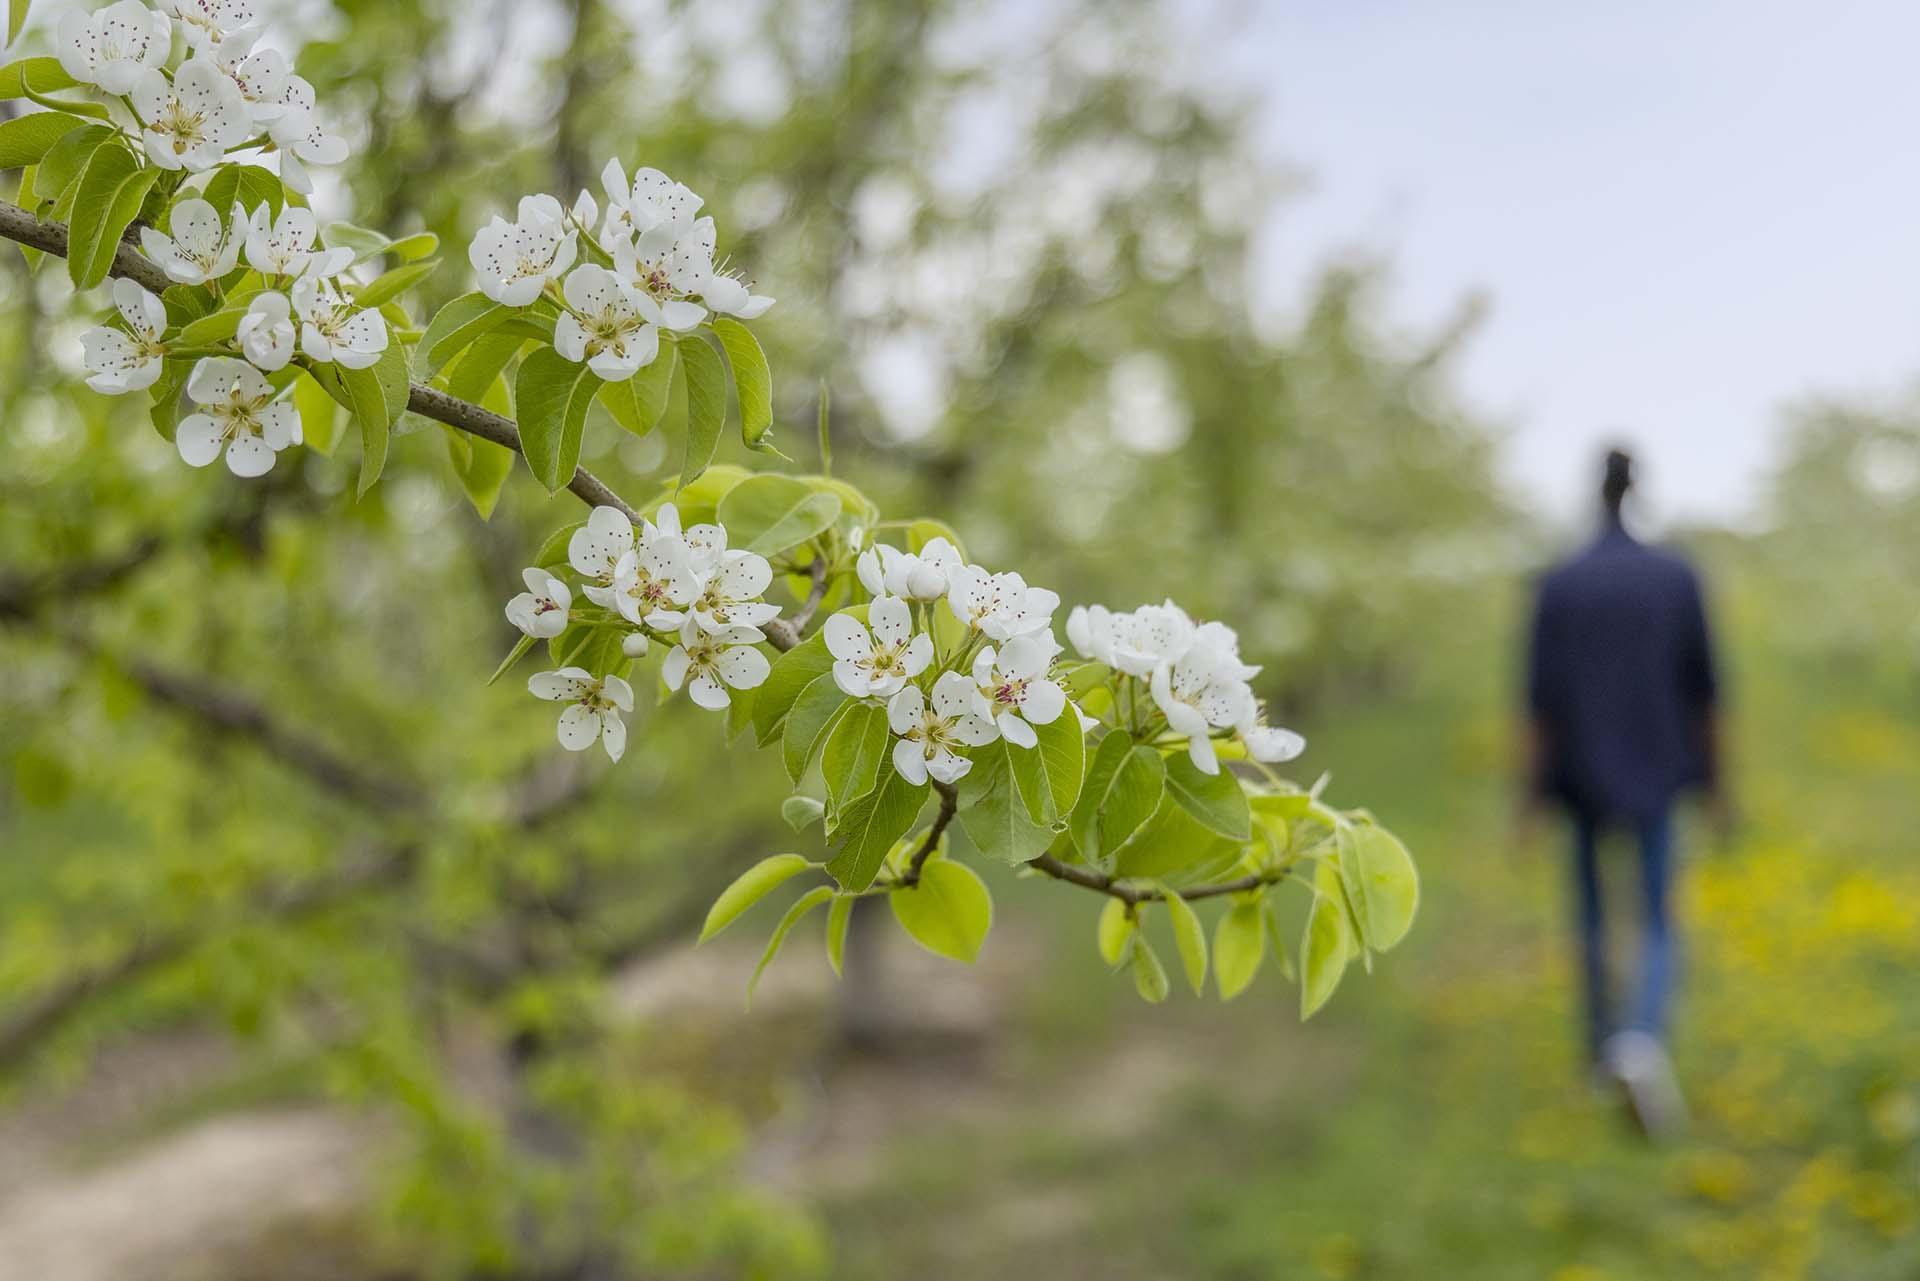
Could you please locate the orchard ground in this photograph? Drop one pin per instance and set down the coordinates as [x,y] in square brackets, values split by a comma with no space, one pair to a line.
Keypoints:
[1432,1122]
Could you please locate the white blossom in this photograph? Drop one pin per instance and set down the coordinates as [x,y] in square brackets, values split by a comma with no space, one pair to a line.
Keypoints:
[727,294]
[266,333]
[1000,605]
[1150,638]
[652,583]
[190,122]
[238,411]
[595,549]
[199,249]
[929,734]
[281,246]
[609,324]
[706,543]
[301,138]
[874,659]
[707,662]
[1268,743]
[332,329]
[1201,691]
[670,271]
[120,361]
[653,208]
[1092,630]
[113,47]
[541,610]
[731,595]
[208,23]
[259,74]
[513,261]
[1013,691]
[593,711]
[634,645]
[925,575]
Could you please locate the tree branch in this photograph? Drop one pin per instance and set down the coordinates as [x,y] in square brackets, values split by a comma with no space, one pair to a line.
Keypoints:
[1115,887]
[949,806]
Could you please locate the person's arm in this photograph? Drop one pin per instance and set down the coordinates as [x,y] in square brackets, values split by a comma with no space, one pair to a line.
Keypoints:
[1534,734]
[1700,682]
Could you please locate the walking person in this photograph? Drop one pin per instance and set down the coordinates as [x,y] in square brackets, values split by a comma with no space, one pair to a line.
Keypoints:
[1622,713]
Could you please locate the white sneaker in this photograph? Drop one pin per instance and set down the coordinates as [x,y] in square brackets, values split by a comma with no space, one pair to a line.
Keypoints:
[1645,1076]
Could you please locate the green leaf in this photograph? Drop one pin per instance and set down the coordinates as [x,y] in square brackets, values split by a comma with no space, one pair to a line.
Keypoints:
[16,18]
[250,185]
[377,396]
[1117,924]
[218,327]
[808,722]
[1149,976]
[393,283]
[1381,882]
[165,413]
[1188,937]
[993,812]
[1214,799]
[706,380]
[949,912]
[856,749]
[1325,946]
[1063,755]
[869,828]
[1171,841]
[791,673]
[107,197]
[35,75]
[364,242]
[481,465]
[768,514]
[639,402]
[820,428]
[419,245]
[801,812]
[1239,945]
[1123,788]
[752,381]
[514,655]
[456,326]
[59,172]
[474,373]
[806,903]
[319,415]
[839,916]
[24,140]
[749,888]
[553,395]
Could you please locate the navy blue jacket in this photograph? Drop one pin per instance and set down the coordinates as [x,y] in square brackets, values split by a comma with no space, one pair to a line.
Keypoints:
[1621,679]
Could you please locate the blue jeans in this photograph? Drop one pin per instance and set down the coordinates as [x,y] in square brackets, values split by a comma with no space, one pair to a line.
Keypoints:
[1658,947]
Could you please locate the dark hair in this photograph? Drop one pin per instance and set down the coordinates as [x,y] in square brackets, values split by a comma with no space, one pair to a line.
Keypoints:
[1619,479]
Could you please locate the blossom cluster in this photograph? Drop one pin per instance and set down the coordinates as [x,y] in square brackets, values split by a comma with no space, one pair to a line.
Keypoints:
[228,95]
[303,306]
[648,265]
[1194,672]
[679,586]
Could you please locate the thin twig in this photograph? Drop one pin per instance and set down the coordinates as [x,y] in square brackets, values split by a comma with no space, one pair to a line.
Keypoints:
[785,633]
[949,806]
[1118,888]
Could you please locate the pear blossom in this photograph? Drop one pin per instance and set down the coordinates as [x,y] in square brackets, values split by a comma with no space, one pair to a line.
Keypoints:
[1200,692]
[1001,606]
[593,711]
[199,249]
[874,659]
[266,333]
[652,584]
[1092,630]
[541,610]
[634,645]
[1268,743]
[727,294]
[301,138]
[113,47]
[930,733]
[731,596]
[653,208]
[280,246]
[922,575]
[707,662]
[668,272]
[596,548]
[1012,689]
[706,543]
[130,360]
[331,329]
[190,122]
[259,74]
[513,261]
[239,412]
[1150,638]
[208,23]
[329,264]
[609,324]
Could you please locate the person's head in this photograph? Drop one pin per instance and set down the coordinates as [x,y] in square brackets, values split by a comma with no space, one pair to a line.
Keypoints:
[1617,481]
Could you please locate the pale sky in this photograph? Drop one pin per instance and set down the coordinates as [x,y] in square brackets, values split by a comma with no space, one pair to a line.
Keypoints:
[1685,214]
